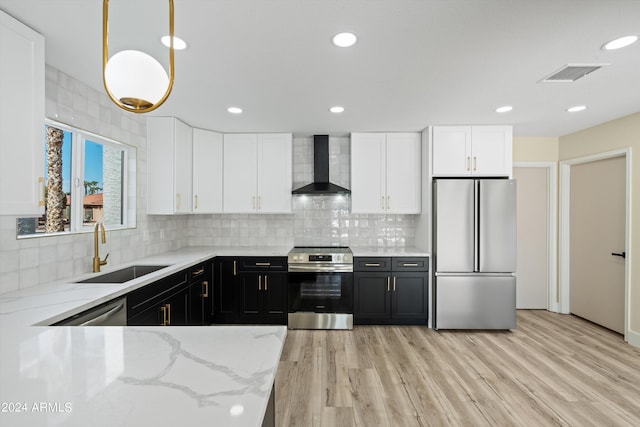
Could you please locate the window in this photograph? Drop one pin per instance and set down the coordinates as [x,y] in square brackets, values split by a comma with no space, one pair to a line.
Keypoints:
[85,183]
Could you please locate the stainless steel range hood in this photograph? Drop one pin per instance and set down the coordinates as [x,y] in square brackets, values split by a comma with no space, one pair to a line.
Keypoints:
[321,184]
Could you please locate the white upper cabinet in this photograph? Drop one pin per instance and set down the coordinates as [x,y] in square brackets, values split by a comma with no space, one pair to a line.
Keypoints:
[472,150]
[385,173]
[274,173]
[207,171]
[169,166]
[257,173]
[21,119]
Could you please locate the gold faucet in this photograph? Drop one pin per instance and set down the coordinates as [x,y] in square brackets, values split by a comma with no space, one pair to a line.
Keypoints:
[97,262]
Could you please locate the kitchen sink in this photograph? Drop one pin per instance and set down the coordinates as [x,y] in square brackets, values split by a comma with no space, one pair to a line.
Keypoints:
[124,275]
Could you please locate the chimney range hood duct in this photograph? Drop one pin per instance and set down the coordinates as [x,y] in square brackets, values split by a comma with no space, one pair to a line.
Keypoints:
[321,184]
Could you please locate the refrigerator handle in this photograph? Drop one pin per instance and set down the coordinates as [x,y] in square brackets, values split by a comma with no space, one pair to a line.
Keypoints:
[476,225]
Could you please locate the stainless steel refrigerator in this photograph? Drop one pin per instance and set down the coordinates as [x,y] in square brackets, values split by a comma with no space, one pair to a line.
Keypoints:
[474,249]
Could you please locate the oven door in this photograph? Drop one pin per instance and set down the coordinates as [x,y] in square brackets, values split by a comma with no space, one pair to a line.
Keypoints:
[326,292]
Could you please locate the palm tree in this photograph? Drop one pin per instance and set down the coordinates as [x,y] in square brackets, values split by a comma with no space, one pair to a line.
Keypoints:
[91,187]
[56,199]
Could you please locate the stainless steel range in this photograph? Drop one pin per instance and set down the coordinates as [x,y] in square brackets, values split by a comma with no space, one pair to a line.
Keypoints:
[320,288]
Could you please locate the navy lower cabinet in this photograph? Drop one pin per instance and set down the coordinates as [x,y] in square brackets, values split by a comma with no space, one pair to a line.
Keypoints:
[201,293]
[391,290]
[225,290]
[262,284]
[250,290]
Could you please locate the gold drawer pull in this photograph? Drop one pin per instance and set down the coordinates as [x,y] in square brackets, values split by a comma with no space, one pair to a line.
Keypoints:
[263,264]
[163,309]
[388,284]
[410,264]
[42,197]
[372,264]
[206,289]
[198,272]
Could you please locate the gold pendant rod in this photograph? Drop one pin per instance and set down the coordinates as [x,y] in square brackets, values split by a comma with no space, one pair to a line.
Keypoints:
[143,108]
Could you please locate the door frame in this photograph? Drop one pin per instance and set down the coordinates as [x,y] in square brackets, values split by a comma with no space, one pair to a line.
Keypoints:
[552,229]
[565,225]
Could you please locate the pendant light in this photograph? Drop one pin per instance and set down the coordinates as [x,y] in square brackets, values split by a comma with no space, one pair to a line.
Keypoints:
[134,80]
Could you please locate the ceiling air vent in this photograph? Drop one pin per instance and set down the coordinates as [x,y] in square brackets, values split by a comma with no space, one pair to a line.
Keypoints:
[571,73]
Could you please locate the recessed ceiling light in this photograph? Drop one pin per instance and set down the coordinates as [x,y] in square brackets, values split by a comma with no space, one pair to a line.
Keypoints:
[337,109]
[234,110]
[504,109]
[620,42]
[577,108]
[344,39]
[178,43]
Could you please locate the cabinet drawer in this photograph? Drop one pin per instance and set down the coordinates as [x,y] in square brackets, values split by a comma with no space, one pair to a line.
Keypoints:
[372,264]
[263,264]
[411,264]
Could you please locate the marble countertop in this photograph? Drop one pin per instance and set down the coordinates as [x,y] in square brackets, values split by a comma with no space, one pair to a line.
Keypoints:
[130,376]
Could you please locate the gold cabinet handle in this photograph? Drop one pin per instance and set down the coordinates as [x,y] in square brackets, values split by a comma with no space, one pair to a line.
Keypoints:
[196,202]
[372,264]
[205,294]
[169,314]
[41,201]
[163,309]
[388,202]
[475,163]
[263,264]
[394,283]
[259,283]
[265,282]
[198,272]
[409,264]
[235,268]
[388,283]
[468,163]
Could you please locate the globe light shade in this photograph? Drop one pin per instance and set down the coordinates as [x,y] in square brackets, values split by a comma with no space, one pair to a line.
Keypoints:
[136,79]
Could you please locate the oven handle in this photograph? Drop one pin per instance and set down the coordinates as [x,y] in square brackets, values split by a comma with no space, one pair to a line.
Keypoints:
[321,268]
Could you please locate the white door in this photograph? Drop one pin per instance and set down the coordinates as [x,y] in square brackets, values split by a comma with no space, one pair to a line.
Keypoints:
[21,119]
[368,173]
[274,173]
[207,171]
[183,172]
[403,173]
[532,268]
[491,150]
[240,173]
[451,150]
[597,216]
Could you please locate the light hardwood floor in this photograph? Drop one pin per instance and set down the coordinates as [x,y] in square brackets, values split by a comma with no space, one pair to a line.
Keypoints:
[551,370]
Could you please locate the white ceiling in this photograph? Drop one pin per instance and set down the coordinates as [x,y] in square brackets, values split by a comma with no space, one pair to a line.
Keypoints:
[417,62]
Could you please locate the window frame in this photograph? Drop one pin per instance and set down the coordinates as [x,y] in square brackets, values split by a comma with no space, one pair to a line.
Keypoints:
[78,138]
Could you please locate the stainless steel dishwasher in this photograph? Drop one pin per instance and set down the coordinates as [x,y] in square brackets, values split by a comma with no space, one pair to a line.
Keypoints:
[112,313]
